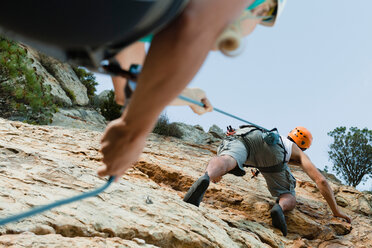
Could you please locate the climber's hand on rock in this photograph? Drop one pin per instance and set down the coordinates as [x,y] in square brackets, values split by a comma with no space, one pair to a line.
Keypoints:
[120,147]
[342,215]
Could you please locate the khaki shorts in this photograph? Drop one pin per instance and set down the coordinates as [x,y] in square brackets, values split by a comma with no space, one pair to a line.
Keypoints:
[278,183]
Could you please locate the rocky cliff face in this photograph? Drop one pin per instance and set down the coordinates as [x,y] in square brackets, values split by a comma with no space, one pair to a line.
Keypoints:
[61,78]
[67,91]
[145,209]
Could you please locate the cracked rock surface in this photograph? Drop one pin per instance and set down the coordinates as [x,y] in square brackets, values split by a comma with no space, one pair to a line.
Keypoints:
[42,164]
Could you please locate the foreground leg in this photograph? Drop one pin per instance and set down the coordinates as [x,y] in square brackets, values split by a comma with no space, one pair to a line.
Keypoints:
[134,54]
[217,167]
[286,202]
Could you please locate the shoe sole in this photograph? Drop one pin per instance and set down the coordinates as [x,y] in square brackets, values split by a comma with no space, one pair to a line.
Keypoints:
[196,192]
[278,221]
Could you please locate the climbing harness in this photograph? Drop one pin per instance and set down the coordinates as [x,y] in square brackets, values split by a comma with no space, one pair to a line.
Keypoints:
[59,203]
[271,138]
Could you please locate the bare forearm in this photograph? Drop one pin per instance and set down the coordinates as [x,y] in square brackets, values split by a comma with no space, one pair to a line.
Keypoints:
[193,93]
[300,158]
[328,195]
[175,56]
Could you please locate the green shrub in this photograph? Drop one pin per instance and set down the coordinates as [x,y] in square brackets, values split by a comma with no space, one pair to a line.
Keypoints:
[28,96]
[88,79]
[163,127]
[109,109]
[70,94]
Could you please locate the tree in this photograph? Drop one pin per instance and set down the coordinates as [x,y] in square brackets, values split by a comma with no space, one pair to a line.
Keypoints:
[26,92]
[88,79]
[109,108]
[351,154]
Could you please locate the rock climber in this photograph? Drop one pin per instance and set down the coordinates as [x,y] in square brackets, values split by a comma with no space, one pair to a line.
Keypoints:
[247,147]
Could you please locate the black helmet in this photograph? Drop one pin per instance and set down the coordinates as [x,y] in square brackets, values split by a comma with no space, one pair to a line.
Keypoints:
[84,32]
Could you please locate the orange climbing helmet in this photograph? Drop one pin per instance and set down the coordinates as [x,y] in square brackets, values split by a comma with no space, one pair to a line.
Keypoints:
[302,137]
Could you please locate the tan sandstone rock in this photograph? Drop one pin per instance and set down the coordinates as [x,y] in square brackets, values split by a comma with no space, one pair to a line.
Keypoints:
[39,165]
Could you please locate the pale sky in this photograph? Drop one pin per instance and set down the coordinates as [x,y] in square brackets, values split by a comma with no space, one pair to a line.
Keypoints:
[313,69]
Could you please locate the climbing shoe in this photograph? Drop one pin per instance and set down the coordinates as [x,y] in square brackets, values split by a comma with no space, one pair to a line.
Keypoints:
[196,192]
[278,218]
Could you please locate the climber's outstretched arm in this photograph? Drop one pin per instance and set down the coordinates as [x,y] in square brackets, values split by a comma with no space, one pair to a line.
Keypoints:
[175,55]
[300,158]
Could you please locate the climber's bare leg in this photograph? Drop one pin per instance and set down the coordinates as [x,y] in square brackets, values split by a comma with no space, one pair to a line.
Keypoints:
[134,54]
[219,166]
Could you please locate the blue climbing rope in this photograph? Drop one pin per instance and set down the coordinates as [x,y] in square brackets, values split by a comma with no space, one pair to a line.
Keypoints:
[41,209]
[220,111]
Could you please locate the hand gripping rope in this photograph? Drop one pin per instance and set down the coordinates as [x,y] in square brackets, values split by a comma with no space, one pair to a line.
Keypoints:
[41,209]
[220,111]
